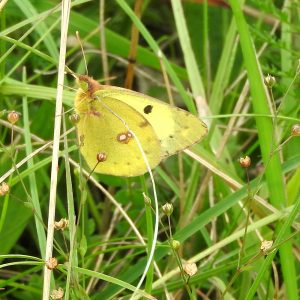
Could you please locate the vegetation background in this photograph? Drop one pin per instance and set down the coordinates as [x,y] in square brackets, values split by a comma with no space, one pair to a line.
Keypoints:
[217,55]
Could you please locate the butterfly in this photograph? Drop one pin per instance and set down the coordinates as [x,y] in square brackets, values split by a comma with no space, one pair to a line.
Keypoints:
[113,121]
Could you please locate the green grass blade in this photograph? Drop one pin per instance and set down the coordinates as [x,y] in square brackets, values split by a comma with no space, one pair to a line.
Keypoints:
[188,53]
[273,172]
[34,192]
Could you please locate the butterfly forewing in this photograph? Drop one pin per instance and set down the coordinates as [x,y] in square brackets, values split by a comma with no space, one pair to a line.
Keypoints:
[176,128]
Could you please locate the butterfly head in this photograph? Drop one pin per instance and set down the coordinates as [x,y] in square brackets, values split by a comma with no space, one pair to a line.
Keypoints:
[88,85]
[85,96]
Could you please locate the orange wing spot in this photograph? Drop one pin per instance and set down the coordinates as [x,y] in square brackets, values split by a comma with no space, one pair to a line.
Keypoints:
[124,137]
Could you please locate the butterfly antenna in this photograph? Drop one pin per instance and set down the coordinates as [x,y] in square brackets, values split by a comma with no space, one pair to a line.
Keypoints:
[165,76]
[81,46]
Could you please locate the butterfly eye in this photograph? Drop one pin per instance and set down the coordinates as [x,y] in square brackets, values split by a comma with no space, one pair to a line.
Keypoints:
[124,137]
[83,85]
[148,109]
[101,157]
[95,98]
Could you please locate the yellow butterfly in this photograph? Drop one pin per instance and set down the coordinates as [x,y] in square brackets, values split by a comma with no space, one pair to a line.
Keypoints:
[110,119]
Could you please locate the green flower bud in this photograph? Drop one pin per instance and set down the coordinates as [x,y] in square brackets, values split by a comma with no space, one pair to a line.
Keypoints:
[167,209]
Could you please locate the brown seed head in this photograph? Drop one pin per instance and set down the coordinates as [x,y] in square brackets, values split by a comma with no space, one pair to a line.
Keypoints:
[101,157]
[295,130]
[245,162]
[265,246]
[190,269]
[4,188]
[13,117]
[57,294]
[62,224]
[52,263]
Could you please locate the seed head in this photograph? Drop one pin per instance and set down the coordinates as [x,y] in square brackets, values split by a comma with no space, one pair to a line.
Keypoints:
[265,246]
[57,294]
[62,224]
[4,188]
[245,162]
[295,130]
[190,269]
[101,157]
[52,263]
[13,117]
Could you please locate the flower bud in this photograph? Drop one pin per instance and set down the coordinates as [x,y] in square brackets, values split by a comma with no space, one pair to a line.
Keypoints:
[270,81]
[76,171]
[147,199]
[175,244]
[167,209]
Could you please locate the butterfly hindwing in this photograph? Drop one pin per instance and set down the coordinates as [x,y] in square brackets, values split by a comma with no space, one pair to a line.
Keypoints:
[101,130]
